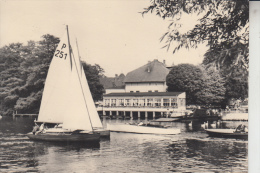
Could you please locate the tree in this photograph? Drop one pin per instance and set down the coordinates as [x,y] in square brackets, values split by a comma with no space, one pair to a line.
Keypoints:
[202,86]
[23,71]
[10,76]
[234,75]
[37,57]
[224,25]
[228,60]
[186,78]
[236,86]
[213,90]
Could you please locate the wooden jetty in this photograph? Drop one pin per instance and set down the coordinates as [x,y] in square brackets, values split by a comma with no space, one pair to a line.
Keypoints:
[24,115]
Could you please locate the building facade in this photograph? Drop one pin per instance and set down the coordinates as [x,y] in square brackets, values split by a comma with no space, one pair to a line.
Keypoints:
[144,92]
[148,78]
[147,102]
[175,100]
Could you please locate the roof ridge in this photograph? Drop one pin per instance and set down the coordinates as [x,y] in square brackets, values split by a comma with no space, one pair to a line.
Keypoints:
[157,72]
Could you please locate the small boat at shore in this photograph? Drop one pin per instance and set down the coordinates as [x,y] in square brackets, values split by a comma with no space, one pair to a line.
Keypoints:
[227,133]
[166,120]
[67,112]
[143,129]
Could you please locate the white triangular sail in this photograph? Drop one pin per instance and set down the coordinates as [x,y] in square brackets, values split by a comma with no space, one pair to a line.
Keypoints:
[95,119]
[78,116]
[54,97]
[63,99]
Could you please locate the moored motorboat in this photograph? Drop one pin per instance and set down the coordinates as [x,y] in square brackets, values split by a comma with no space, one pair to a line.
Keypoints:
[227,133]
[143,129]
[166,120]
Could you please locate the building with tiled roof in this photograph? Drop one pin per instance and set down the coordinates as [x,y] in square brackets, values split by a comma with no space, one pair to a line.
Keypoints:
[113,84]
[148,78]
[144,93]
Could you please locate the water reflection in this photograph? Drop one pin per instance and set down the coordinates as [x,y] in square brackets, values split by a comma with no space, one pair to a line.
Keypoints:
[58,157]
[190,151]
[220,156]
[68,146]
[217,152]
[17,154]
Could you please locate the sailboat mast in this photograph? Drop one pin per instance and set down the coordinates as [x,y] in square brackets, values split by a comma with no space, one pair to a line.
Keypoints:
[78,75]
[69,46]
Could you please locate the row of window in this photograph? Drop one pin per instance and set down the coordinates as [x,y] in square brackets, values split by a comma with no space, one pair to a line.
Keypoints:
[148,91]
[156,102]
[145,83]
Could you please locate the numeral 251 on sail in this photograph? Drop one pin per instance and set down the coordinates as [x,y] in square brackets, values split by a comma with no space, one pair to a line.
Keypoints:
[60,53]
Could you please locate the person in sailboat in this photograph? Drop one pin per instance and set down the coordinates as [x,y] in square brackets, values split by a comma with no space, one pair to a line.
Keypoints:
[41,129]
[58,126]
[35,128]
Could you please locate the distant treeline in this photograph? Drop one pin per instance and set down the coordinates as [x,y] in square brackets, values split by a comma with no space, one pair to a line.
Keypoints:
[23,70]
[206,85]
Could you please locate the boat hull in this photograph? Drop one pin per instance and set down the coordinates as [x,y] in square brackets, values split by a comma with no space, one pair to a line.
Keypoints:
[166,120]
[226,133]
[65,137]
[103,132]
[142,129]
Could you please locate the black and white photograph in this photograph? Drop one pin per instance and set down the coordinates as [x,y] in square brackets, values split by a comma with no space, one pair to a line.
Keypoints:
[129,86]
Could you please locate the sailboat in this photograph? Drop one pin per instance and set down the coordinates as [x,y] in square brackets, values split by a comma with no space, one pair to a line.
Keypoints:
[67,107]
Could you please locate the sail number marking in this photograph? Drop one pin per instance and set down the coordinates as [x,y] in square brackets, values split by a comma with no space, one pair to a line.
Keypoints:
[60,53]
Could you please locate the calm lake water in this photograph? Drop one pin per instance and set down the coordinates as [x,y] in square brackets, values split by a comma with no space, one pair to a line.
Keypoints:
[190,151]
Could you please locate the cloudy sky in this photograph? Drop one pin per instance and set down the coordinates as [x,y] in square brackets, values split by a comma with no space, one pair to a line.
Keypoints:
[111,33]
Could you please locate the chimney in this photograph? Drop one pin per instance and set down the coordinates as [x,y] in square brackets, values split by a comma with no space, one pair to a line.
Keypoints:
[164,62]
[149,67]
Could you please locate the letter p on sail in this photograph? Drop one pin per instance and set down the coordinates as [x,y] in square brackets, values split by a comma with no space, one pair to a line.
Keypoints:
[63,46]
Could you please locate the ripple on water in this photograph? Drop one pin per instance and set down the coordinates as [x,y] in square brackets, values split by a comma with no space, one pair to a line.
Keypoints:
[124,152]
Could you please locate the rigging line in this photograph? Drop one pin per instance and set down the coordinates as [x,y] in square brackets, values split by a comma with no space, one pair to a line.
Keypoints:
[81,68]
[82,91]
[79,78]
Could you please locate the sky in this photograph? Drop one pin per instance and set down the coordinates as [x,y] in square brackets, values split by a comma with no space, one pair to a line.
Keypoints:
[111,33]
